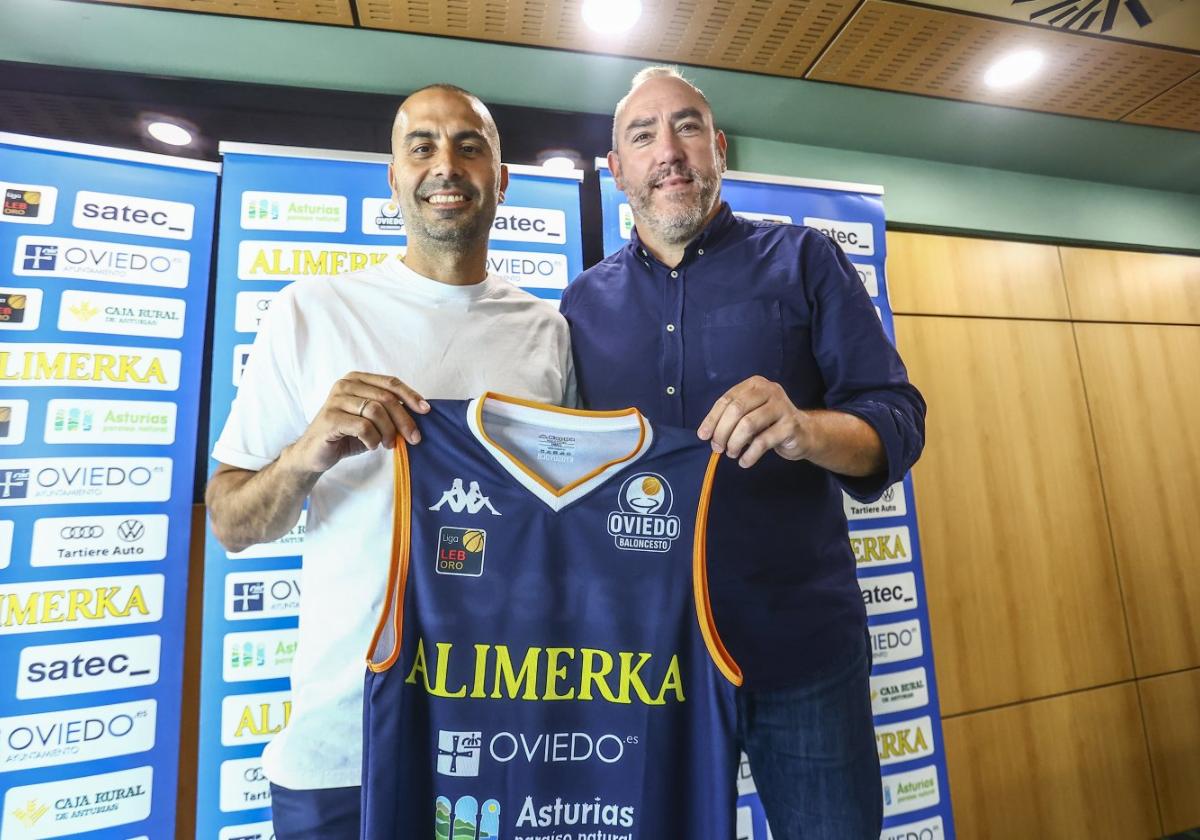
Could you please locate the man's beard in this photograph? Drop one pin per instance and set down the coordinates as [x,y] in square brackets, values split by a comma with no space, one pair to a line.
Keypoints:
[684,216]
[458,233]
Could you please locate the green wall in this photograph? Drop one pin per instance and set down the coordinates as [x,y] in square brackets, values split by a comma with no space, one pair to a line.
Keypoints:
[943,164]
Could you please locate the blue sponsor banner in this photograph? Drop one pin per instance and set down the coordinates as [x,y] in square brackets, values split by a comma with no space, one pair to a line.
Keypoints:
[287,214]
[103,294]
[908,732]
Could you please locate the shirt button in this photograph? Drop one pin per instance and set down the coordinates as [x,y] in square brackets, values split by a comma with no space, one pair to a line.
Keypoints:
[671,390]
[701,252]
[670,328]
[674,273]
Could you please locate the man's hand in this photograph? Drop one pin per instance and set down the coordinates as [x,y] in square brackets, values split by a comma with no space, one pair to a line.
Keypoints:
[362,412]
[754,417]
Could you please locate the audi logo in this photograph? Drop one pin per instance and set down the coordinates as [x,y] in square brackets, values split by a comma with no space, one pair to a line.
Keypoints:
[131,530]
[81,532]
[254,774]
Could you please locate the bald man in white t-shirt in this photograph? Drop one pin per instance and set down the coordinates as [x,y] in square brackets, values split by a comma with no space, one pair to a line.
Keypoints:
[337,372]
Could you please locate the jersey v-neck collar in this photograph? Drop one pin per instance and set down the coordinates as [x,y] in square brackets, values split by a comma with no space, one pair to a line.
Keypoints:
[567,419]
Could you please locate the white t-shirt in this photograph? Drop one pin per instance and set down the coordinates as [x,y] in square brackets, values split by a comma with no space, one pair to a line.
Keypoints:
[451,342]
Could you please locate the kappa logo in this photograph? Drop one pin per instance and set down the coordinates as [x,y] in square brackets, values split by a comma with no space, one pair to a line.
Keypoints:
[458,753]
[465,818]
[470,500]
[643,521]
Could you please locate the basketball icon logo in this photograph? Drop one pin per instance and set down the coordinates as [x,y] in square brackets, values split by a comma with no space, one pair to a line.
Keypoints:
[473,541]
[647,493]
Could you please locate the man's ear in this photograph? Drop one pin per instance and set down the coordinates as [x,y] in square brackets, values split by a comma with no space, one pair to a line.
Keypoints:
[503,181]
[392,184]
[614,166]
[723,148]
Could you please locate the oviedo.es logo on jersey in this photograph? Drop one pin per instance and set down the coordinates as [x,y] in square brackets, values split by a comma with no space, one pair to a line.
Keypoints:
[73,735]
[78,806]
[643,519]
[111,262]
[460,753]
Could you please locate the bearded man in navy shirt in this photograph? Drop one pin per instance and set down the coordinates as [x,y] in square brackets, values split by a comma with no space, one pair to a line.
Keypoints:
[762,338]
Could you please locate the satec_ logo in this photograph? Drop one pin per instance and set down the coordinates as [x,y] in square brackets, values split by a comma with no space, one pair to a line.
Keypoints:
[84,667]
[133,214]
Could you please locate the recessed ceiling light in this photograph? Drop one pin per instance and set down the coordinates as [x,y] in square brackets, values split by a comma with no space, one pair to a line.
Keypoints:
[169,133]
[1013,69]
[559,163]
[611,17]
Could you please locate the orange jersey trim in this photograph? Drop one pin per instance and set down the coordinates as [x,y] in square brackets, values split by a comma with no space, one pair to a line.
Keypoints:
[393,603]
[573,412]
[708,627]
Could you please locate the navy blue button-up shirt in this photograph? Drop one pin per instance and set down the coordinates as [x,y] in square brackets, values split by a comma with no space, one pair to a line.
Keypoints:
[783,302]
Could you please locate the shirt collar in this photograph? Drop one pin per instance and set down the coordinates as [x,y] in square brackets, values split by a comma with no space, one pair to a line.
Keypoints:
[713,232]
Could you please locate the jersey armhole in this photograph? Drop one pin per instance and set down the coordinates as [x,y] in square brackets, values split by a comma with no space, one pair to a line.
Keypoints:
[385,643]
[708,627]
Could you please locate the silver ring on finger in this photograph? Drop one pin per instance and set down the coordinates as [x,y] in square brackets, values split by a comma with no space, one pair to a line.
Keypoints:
[363,406]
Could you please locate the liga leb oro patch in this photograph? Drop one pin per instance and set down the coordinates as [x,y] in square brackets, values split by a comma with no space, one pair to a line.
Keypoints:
[460,551]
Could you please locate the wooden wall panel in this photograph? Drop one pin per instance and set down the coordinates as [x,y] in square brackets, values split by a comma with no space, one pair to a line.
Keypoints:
[1143,384]
[1126,286]
[946,275]
[1070,766]
[1171,709]
[1022,589]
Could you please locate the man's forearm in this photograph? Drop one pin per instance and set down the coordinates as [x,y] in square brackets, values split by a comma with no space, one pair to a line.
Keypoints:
[844,444]
[248,507]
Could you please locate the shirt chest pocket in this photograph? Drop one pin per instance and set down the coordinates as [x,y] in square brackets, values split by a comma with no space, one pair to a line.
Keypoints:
[742,340]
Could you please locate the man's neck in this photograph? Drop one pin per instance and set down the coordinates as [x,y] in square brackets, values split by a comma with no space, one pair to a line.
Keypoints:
[454,268]
[671,253]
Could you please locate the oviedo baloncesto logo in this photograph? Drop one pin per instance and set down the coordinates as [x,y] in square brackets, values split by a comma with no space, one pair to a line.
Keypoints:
[643,520]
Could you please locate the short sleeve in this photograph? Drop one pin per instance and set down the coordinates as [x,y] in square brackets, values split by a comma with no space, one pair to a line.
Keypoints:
[267,413]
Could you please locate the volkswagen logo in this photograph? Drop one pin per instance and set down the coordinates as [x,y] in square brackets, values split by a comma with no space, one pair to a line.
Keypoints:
[131,530]
[81,532]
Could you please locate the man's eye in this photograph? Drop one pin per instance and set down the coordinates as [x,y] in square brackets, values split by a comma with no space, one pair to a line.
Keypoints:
[641,137]
[422,149]
[470,150]
[688,128]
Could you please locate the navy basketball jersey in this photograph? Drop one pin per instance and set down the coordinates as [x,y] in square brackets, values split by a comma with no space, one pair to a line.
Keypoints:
[545,665]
